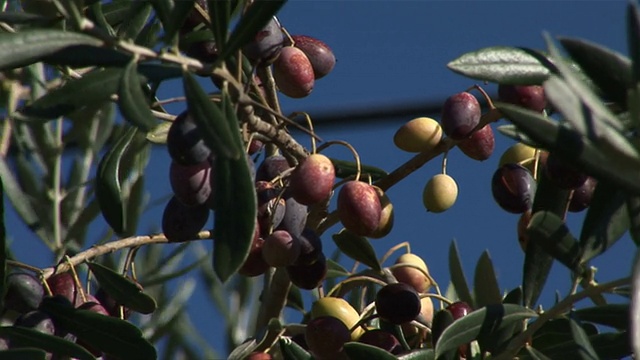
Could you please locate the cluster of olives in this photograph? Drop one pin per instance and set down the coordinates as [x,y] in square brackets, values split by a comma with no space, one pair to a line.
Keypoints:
[25,294]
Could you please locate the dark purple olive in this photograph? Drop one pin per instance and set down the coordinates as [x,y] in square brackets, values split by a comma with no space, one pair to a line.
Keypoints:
[185,143]
[528,96]
[63,284]
[320,55]
[513,188]
[206,51]
[24,292]
[398,303]
[308,276]
[36,320]
[295,216]
[310,247]
[564,174]
[182,223]
[459,309]
[582,195]
[191,184]
[280,249]
[460,115]
[480,145]
[326,336]
[266,45]
[254,265]
[271,207]
[271,167]
[111,305]
[382,339]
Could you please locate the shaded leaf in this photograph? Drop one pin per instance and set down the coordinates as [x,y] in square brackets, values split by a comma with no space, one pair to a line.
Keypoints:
[174,22]
[159,72]
[485,285]
[54,344]
[613,315]
[292,351]
[135,20]
[95,86]
[633,38]
[609,70]
[512,132]
[535,354]
[421,354]
[513,297]
[23,354]
[252,21]
[3,247]
[108,187]
[132,100]
[122,290]
[458,280]
[357,247]
[235,215]
[356,350]
[485,321]
[220,15]
[501,64]
[17,18]
[243,350]
[585,349]
[573,147]
[87,55]
[633,209]
[345,169]
[106,333]
[551,233]
[294,299]
[334,269]
[606,346]
[29,46]
[211,122]
[158,135]
[606,220]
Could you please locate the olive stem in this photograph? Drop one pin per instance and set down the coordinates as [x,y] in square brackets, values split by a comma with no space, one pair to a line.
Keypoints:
[339,285]
[560,307]
[394,249]
[124,243]
[310,125]
[351,148]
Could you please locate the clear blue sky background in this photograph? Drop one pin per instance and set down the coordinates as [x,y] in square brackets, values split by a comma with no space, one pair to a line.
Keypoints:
[395,52]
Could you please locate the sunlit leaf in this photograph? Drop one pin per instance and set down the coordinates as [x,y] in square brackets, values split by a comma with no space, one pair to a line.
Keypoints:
[356,350]
[485,285]
[551,233]
[27,47]
[421,354]
[458,279]
[357,247]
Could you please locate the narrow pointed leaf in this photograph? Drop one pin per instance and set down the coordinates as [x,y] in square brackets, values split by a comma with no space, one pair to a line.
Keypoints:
[501,64]
[174,22]
[610,71]
[571,145]
[613,315]
[292,351]
[633,38]
[513,297]
[16,18]
[158,135]
[421,354]
[485,284]
[551,233]
[294,299]
[108,187]
[633,209]
[95,87]
[137,17]
[357,247]
[458,279]
[132,101]
[23,354]
[256,17]
[3,247]
[123,290]
[345,169]
[87,55]
[607,346]
[235,215]
[484,321]
[585,349]
[27,47]
[512,132]
[211,121]
[334,269]
[606,221]
[106,333]
[535,354]
[356,350]
[54,344]
[220,15]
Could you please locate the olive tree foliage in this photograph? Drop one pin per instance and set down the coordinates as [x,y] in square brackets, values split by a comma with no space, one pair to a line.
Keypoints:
[69,161]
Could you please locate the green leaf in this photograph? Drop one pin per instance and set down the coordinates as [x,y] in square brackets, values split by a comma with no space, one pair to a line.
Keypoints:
[572,146]
[32,338]
[96,86]
[3,247]
[633,209]
[512,132]
[513,297]
[220,15]
[235,215]
[336,270]
[551,233]
[122,290]
[610,71]
[613,315]
[211,121]
[23,354]
[535,354]
[159,72]
[357,247]
[294,299]
[18,18]
[458,279]
[174,22]
[345,169]
[30,46]
[256,18]
[158,135]
[106,333]
[134,22]
[501,64]
[633,38]
[132,100]
[421,354]
[481,322]
[116,12]
[485,285]
[607,219]
[292,351]
[243,350]
[585,349]
[607,346]
[108,186]
[356,350]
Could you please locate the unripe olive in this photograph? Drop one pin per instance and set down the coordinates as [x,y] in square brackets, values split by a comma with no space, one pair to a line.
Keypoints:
[411,276]
[340,309]
[518,153]
[440,193]
[417,135]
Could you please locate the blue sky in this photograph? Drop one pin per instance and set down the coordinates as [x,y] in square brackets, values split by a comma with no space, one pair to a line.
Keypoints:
[395,52]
